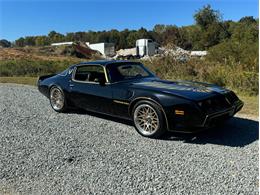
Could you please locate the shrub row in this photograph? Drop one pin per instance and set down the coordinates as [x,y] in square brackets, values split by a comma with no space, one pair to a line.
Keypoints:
[234,77]
[231,76]
[27,67]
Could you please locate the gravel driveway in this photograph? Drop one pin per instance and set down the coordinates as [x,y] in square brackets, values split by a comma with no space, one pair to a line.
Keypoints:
[42,151]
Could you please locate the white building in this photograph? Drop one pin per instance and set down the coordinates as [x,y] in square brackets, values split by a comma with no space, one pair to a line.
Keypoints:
[62,43]
[198,53]
[106,49]
[146,47]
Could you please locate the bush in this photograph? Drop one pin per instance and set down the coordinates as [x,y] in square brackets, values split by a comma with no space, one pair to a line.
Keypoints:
[26,67]
[233,76]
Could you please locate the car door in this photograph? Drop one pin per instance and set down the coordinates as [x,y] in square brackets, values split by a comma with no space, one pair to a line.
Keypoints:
[87,92]
[121,99]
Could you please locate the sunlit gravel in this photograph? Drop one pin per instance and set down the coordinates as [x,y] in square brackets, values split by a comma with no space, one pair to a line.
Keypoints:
[44,152]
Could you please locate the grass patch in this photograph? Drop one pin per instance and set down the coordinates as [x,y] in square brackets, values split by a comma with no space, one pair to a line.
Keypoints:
[19,80]
[251,105]
[32,67]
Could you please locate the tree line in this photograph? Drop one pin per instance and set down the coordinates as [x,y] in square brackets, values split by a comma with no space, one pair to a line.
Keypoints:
[209,30]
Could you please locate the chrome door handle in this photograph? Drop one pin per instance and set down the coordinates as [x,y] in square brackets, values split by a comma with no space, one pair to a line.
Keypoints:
[71,85]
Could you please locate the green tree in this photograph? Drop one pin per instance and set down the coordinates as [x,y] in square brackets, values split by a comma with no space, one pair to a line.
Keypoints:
[159,28]
[69,37]
[194,35]
[211,36]
[80,36]
[175,36]
[55,37]
[5,43]
[131,38]
[41,41]
[245,32]
[20,42]
[29,41]
[142,33]
[240,49]
[248,19]
[206,16]
[114,37]
[122,43]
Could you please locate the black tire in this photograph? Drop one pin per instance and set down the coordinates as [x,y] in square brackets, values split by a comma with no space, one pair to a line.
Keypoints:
[159,129]
[63,106]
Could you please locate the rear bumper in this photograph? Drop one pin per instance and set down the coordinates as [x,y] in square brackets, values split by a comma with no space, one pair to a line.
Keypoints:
[43,84]
[43,88]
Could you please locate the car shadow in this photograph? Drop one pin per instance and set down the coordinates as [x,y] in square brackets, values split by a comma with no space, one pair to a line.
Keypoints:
[236,132]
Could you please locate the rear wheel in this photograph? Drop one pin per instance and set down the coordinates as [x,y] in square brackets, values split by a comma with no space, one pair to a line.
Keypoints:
[148,119]
[57,99]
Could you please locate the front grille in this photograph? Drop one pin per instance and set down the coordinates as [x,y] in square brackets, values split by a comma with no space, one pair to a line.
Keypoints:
[214,104]
[217,120]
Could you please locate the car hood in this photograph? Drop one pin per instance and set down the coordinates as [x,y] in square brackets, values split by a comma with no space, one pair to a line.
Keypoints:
[186,89]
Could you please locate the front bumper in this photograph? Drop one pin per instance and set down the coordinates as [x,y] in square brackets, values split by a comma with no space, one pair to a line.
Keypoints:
[214,118]
[198,122]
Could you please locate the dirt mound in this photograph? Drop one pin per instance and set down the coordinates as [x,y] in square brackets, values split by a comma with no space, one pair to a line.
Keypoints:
[83,50]
[77,50]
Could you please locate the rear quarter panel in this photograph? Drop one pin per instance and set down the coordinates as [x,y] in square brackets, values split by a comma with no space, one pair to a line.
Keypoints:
[44,84]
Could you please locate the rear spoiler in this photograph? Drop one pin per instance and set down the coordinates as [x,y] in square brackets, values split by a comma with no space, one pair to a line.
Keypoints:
[41,78]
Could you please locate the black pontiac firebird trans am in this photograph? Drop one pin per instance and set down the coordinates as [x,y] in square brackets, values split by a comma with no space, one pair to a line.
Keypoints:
[130,91]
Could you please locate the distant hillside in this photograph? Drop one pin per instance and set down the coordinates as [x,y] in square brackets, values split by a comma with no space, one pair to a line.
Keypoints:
[33,53]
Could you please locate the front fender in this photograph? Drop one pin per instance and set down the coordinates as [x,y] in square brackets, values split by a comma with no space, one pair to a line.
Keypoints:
[170,104]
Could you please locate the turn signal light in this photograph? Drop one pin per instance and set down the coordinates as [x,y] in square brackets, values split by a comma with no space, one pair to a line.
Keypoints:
[179,112]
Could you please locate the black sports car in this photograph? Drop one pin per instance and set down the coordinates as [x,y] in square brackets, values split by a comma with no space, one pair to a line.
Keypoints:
[129,90]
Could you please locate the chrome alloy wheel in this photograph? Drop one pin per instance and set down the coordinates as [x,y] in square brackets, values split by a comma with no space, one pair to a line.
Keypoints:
[56,98]
[146,119]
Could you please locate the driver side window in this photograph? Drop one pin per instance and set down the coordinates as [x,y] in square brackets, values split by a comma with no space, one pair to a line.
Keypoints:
[89,73]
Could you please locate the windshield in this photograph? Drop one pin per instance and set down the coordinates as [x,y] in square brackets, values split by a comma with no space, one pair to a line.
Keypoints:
[122,72]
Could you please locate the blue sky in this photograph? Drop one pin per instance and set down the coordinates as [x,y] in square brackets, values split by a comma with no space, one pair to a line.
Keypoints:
[27,17]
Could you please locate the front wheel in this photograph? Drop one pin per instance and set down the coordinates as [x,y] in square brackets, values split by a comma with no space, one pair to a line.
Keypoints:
[148,119]
[57,99]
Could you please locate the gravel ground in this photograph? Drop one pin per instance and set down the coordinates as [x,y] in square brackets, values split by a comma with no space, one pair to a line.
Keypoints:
[45,152]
